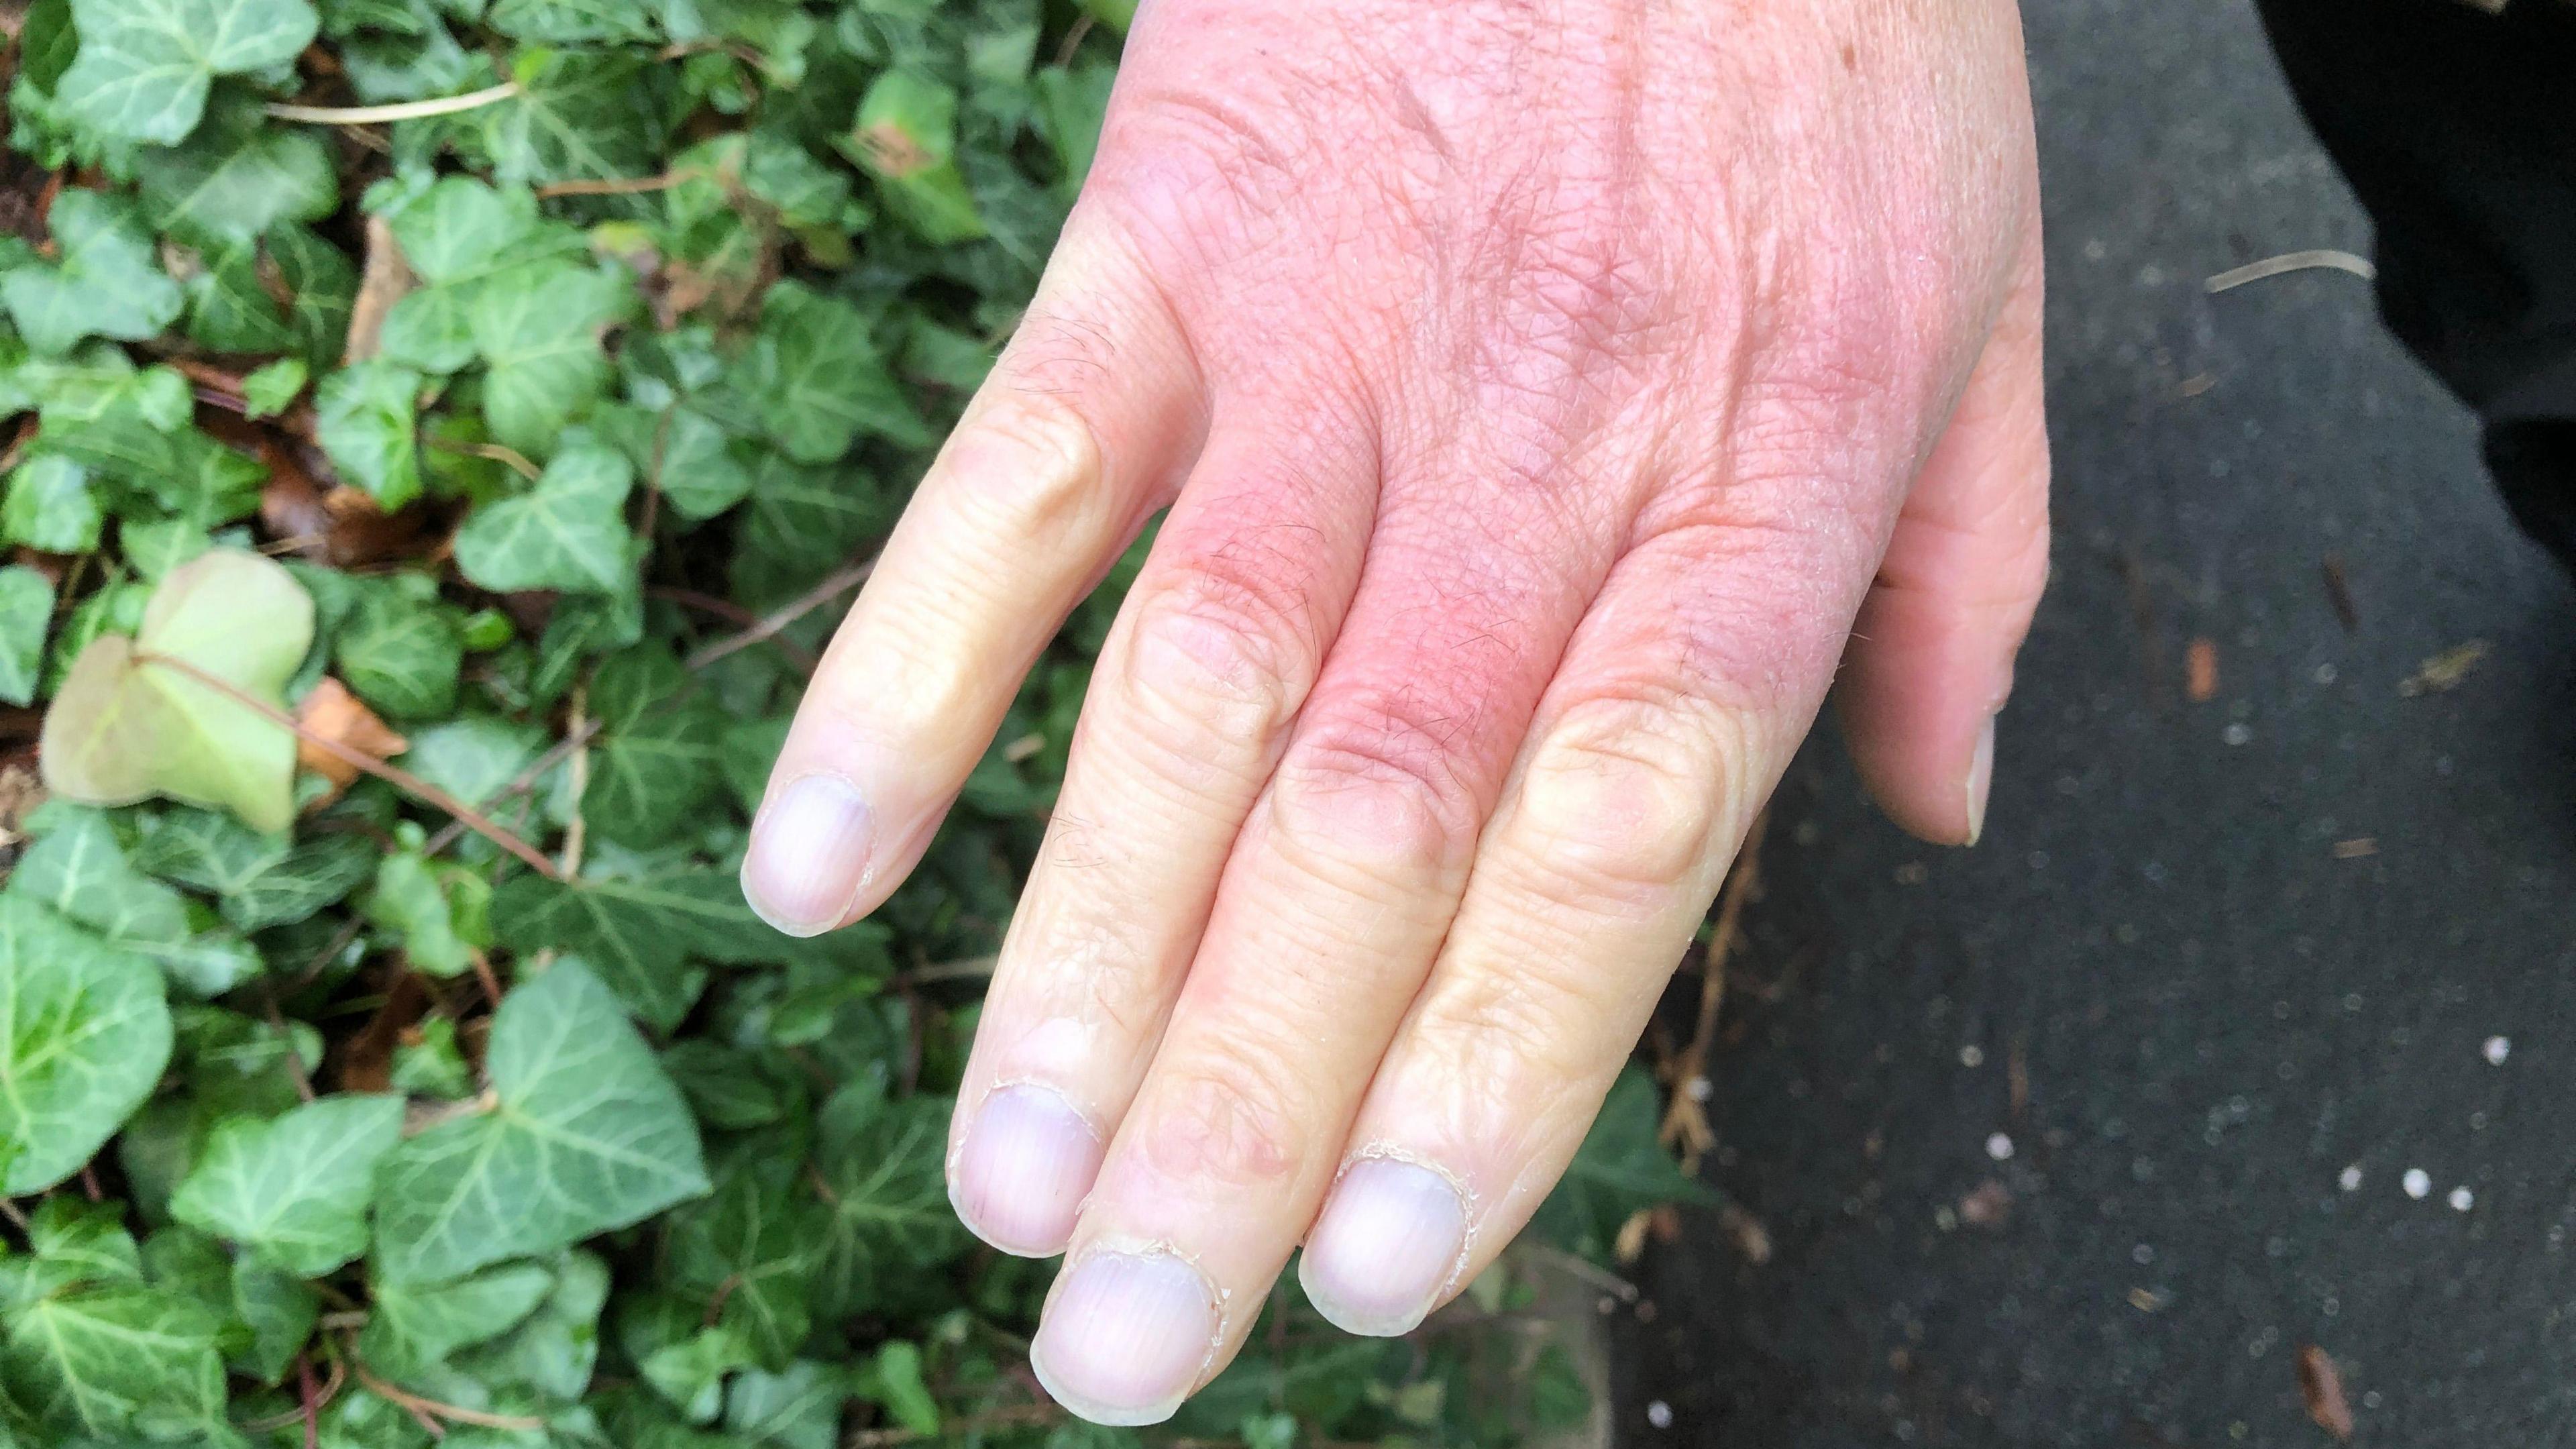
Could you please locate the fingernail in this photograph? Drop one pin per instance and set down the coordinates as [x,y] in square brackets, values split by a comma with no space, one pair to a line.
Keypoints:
[1126,1337]
[1021,1173]
[809,851]
[1981,779]
[1386,1245]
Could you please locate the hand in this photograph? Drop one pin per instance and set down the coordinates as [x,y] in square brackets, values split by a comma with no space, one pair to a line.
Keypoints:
[1540,392]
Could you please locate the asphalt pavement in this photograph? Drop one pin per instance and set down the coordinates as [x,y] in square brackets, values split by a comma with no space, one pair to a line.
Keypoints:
[2251,1026]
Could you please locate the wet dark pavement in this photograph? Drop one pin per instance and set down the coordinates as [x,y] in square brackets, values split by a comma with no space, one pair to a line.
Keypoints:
[2248,956]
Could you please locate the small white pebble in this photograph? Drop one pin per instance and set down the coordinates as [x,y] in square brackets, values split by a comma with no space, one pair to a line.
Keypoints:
[1999,1147]
[2417,1182]
[2351,1179]
[1972,1055]
[1700,1089]
[1659,1414]
[2497,1049]
[2462,1199]
[2237,734]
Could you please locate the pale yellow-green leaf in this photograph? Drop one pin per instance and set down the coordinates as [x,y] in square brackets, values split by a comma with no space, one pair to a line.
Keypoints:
[134,719]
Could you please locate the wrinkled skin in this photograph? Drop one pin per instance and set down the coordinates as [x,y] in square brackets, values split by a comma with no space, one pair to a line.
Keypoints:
[1548,394]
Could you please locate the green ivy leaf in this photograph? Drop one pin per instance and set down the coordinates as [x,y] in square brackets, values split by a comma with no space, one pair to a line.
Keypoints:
[585,1134]
[78,869]
[280,1310]
[106,285]
[258,881]
[126,725]
[641,932]
[237,178]
[401,653]
[293,1190]
[1619,1170]
[26,615]
[561,22]
[412,1326]
[885,1162]
[818,381]
[458,235]
[654,764]
[537,328]
[568,532]
[115,1360]
[271,390]
[410,901]
[580,115]
[90,1034]
[906,136]
[144,65]
[797,1408]
[554,1349]
[749,1251]
[51,507]
[366,418]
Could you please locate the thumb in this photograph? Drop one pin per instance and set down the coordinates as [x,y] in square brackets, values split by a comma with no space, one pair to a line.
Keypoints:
[1931,656]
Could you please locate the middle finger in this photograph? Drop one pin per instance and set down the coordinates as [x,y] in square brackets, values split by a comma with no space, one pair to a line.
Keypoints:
[1330,910]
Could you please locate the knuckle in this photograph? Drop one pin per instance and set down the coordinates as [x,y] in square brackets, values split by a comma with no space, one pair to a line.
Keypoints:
[1027,471]
[1216,663]
[1622,794]
[1227,1120]
[1374,787]
[1513,1028]
[899,683]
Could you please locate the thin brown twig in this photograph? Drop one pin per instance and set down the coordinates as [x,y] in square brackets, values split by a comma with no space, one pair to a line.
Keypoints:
[797,655]
[432,1408]
[484,976]
[294,1059]
[620,185]
[89,1182]
[1684,1123]
[516,461]
[805,603]
[401,779]
[16,1216]
[322,1398]
[1073,38]
[520,784]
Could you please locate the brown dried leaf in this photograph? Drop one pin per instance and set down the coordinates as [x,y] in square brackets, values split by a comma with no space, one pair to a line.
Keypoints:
[386,280]
[332,712]
[2321,1385]
[21,791]
[335,525]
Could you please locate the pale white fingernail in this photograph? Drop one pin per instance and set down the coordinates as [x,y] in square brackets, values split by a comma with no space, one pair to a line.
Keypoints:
[1388,1242]
[1126,1337]
[809,853]
[1021,1173]
[1981,780]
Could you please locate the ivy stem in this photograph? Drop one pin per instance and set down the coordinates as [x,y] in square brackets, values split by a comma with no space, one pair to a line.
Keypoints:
[399,111]
[431,1411]
[401,779]
[525,781]
[812,599]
